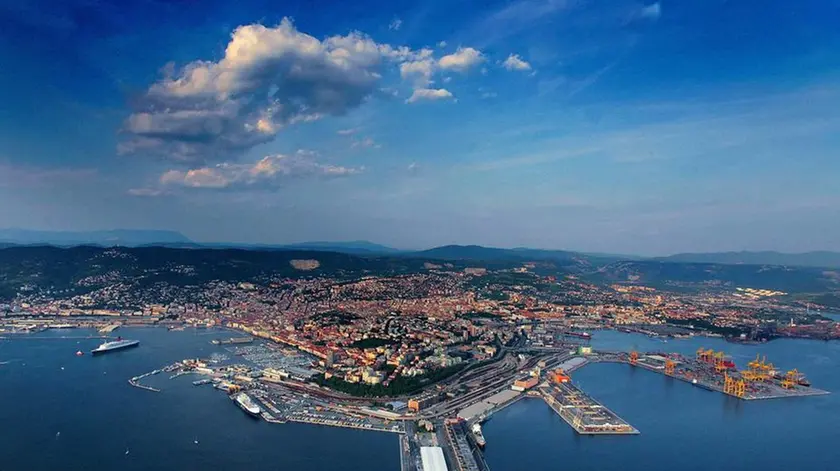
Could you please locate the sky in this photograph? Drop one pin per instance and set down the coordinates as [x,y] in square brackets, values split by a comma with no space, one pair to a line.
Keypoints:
[617,126]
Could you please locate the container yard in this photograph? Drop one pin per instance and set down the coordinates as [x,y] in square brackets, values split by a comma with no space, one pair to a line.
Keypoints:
[715,371]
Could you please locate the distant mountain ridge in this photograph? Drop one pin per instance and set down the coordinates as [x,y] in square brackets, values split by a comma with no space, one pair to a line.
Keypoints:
[355,246]
[126,237]
[173,239]
[824,259]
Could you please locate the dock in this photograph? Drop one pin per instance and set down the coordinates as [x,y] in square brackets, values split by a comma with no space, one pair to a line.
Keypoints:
[135,381]
[583,413]
[706,375]
[468,457]
[107,329]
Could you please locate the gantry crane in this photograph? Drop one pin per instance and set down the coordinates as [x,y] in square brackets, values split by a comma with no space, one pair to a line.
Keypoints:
[720,359]
[704,355]
[670,365]
[734,387]
[791,379]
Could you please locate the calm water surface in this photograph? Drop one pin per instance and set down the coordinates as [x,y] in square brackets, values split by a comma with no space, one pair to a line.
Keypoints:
[682,427]
[99,416]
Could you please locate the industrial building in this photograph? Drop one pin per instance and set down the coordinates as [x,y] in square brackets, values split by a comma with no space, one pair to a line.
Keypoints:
[525,383]
[479,408]
[424,401]
[432,459]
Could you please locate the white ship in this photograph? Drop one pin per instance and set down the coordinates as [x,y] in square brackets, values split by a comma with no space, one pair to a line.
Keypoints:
[247,404]
[118,344]
[479,437]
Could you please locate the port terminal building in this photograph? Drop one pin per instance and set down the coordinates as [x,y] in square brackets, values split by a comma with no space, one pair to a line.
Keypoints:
[431,458]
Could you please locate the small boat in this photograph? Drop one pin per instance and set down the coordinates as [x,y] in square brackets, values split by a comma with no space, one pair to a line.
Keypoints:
[126,451]
[79,353]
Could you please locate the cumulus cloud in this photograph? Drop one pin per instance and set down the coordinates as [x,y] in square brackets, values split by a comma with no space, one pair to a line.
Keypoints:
[269,170]
[514,62]
[461,60]
[268,78]
[419,72]
[395,25]
[429,94]
[653,11]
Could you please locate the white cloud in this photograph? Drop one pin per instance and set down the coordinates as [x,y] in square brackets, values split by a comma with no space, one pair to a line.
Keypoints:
[269,170]
[347,132]
[395,24]
[653,11]
[413,167]
[486,95]
[441,44]
[429,94]
[419,72]
[268,78]
[461,60]
[514,62]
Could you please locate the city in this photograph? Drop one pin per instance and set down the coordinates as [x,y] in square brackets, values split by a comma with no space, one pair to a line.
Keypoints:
[428,235]
[428,355]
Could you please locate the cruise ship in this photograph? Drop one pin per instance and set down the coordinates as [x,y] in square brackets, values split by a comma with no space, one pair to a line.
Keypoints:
[247,404]
[118,344]
[479,437]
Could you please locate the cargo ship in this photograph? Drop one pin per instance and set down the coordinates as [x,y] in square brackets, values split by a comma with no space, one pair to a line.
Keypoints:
[232,341]
[247,404]
[479,436]
[580,335]
[118,344]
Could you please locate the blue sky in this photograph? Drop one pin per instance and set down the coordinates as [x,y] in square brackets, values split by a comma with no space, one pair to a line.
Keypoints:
[614,126]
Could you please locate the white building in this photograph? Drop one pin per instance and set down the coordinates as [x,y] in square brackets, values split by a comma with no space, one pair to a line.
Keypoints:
[432,458]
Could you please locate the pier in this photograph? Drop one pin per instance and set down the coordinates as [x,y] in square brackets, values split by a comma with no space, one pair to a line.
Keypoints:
[135,381]
[107,329]
[468,457]
[715,375]
[584,414]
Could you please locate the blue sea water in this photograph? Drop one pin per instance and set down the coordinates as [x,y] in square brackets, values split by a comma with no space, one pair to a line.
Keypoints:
[831,315]
[682,427]
[99,416]
[63,412]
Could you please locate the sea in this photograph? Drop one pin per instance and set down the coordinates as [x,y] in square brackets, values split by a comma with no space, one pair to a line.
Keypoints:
[60,411]
[682,427]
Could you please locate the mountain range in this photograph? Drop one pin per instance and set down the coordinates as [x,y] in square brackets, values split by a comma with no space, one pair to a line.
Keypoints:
[139,238]
[125,237]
